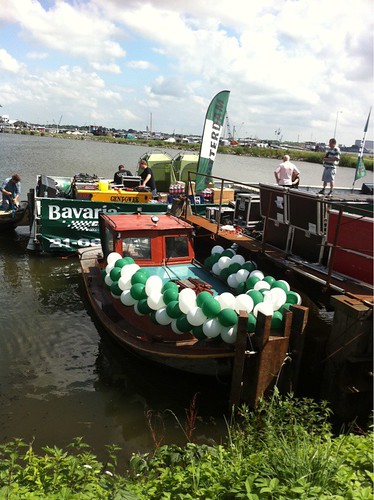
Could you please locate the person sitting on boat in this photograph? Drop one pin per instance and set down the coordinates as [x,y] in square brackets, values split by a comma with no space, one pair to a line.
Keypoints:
[330,162]
[287,174]
[11,190]
[147,177]
[118,176]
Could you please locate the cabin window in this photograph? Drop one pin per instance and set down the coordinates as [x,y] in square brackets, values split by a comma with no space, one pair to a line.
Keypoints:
[108,242]
[176,246]
[137,248]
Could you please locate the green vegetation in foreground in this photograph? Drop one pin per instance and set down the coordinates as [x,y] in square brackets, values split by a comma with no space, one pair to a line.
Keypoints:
[283,450]
[347,159]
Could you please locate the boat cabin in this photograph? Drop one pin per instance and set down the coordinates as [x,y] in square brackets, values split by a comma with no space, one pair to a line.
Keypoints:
[151,240]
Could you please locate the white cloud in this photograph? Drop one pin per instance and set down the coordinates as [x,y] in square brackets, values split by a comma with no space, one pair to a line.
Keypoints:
[8,63]
[140,65]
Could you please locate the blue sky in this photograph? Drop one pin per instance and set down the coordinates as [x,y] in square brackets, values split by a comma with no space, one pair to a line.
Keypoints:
[299,66]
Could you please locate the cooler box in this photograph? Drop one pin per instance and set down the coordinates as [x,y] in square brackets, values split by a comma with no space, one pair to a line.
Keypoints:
[114,195]
[247,210]
[227,195]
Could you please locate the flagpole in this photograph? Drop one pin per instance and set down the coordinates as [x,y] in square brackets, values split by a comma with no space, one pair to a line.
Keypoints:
[360,166]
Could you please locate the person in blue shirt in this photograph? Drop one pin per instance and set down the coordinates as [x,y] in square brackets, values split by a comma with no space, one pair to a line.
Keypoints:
[11,190]
[330,162]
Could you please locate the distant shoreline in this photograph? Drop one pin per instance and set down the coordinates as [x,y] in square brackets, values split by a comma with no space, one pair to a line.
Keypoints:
[347,159]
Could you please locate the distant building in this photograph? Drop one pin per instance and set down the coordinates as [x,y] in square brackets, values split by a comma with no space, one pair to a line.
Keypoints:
[369,145]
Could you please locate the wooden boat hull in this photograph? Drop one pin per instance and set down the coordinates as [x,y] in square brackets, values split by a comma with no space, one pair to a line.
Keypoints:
[181,352]
[11,219]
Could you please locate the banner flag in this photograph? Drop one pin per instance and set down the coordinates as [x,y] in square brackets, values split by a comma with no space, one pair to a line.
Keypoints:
[213,126]
[360,166]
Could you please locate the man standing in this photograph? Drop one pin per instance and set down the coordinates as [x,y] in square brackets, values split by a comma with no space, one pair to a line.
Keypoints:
[11,189]
[118,176]
[330,162]
[147,177]
[287,174]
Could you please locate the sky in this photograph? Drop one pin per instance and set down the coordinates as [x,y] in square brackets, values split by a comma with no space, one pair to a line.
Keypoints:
[297,70]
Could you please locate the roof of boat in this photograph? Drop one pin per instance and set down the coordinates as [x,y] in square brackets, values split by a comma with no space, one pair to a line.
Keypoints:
[146,222]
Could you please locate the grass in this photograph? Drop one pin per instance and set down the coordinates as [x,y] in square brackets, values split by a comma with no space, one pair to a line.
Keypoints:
[283,450]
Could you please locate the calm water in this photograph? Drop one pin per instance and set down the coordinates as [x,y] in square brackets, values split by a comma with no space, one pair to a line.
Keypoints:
[60,376]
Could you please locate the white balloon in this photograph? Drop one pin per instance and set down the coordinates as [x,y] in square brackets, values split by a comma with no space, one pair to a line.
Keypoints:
[108,268]
[175,328]
[187,294]
[124,283]
[162,317]
[108,280]
[298,298]
[259,274]
[127,299]
[216,269]
[217,249]
[242,275]
[212,328]
[129,270]
[232,281]
[224,262]
[113,257]
[260,285]
[243,302]
[285,282]
[153,284]
[186,303]
[238,258]
[156,301]
[114,296]
[278,297]
[195,316]
[226,300]
[229,334]
[263,307]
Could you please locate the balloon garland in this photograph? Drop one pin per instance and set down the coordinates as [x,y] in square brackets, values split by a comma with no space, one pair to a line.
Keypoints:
[204,315]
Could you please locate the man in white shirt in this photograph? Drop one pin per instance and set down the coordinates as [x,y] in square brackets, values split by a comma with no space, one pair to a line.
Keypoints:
[287,174]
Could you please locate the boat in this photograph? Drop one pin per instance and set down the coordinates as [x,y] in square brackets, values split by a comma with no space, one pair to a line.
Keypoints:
[155,298]
[11,219]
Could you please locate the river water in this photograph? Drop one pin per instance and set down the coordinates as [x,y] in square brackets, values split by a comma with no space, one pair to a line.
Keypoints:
[60,376]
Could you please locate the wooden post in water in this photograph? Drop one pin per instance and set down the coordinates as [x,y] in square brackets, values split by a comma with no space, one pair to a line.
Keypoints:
[255,371]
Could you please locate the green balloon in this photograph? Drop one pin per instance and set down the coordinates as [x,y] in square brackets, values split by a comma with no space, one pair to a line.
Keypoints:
[251,323]
[269,279]
[211,308]
[202,297]
[292,297]
[234,267]
[152,315]
[284,308]
[139,277]
[169,285]
[241,288]
[208,262]
[170,295]
[224,274]
[173,310]
[249,266]
[115,289]
[130,260]
[143,306]
[229,252]
[182,324]
[280,284]
[227,317]
[137,291]
[251,281]
[115,273]
[256,296]
[277,320]
[121,262]
[215,258]
[197,332]
[103,273]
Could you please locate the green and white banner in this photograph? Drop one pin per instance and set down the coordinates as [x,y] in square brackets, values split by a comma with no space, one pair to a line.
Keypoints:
[66,225]
[213,125]
[360,165]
